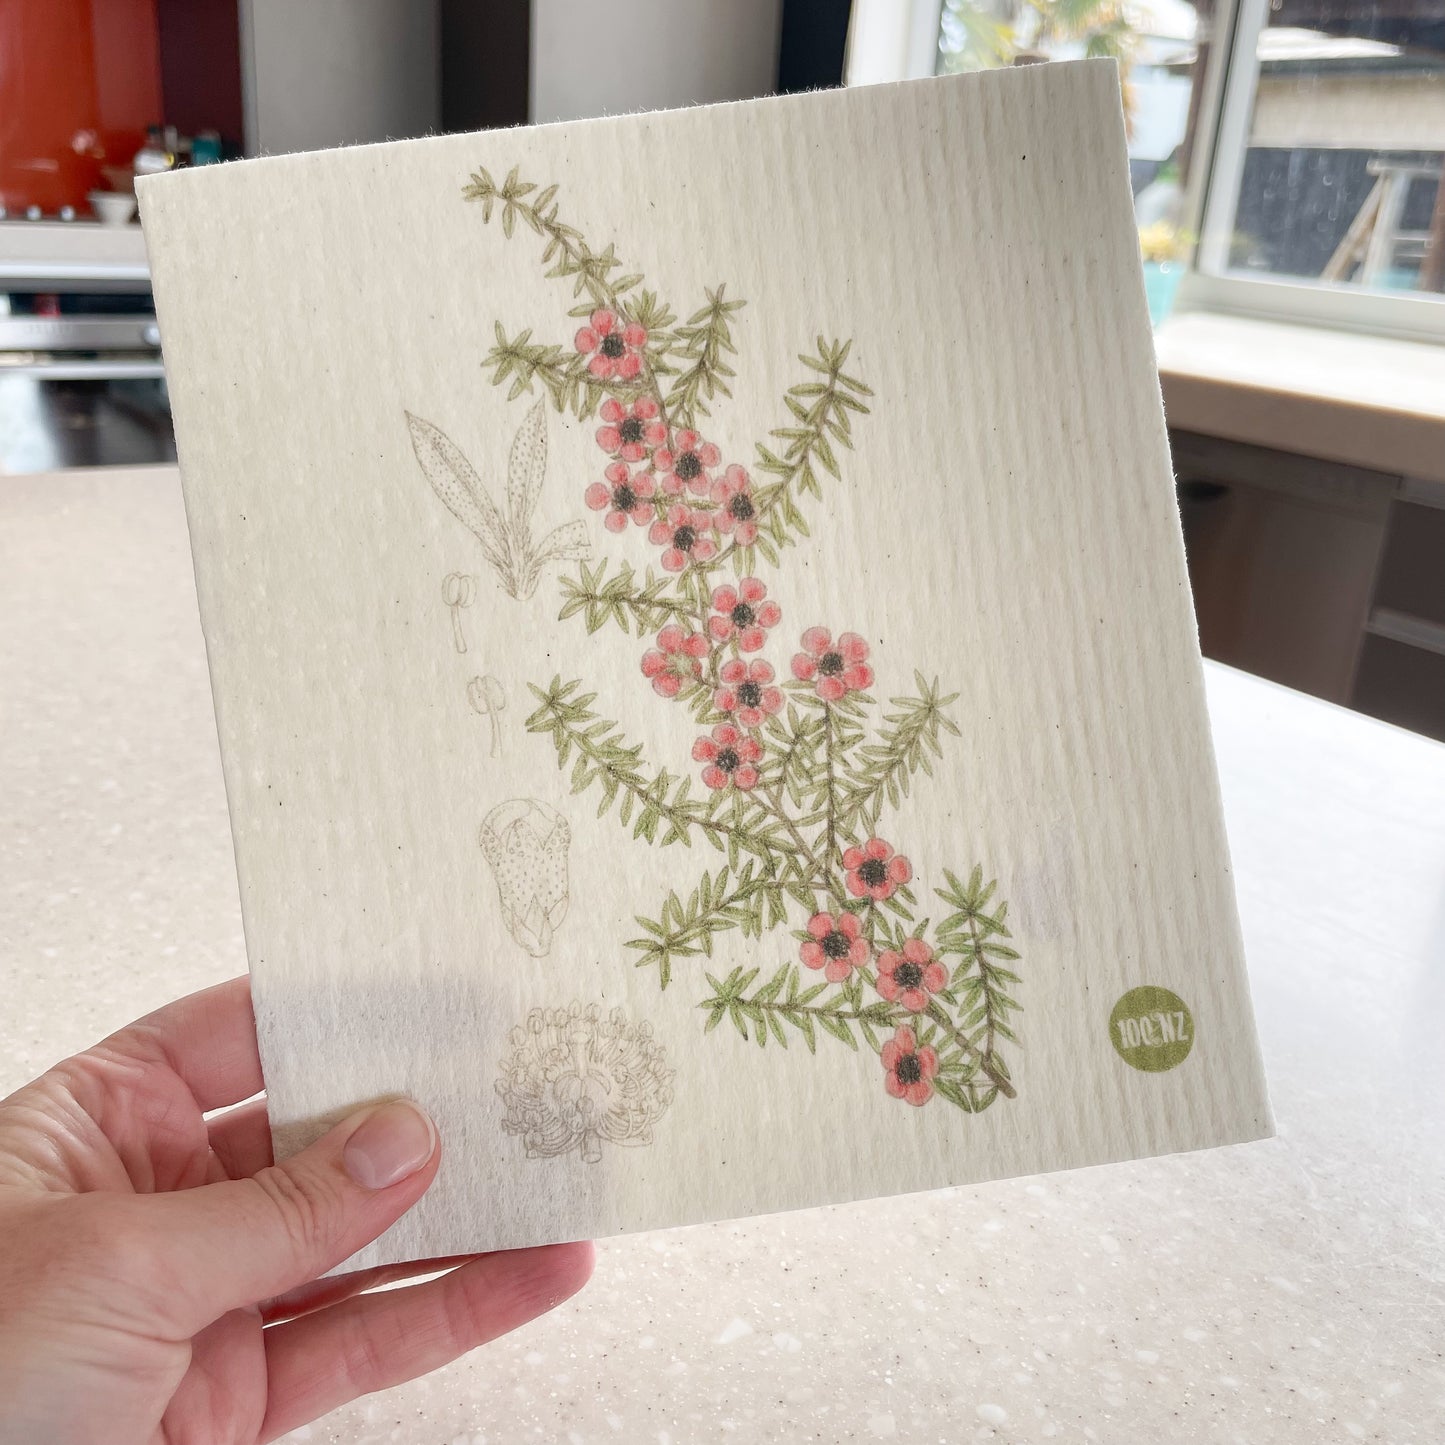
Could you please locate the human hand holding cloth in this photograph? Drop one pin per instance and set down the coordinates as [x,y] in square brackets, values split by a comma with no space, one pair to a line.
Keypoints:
[161,1274]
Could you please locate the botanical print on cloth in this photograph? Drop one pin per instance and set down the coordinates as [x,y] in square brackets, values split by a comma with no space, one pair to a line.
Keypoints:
[795,761]
[754,594]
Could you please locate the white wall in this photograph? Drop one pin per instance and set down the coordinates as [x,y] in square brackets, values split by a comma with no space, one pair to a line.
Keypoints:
[591,58]
[319,73]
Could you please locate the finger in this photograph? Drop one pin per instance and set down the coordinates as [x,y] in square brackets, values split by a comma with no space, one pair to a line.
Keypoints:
[223,1246]
[317,1363]
[207,1038]
[205,1393]
[320,1293]
[241,1139]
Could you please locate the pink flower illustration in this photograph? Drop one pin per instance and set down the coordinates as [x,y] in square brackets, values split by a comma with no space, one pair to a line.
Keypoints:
[615,347]
[875,871]
[731,757]
[683,534]
[630,432]
[834,945]
[746,693]
[676,659]
[626,496]
[685,464]
[908,1070]
[732,495]
[911,976]
[741,611]
[835,668]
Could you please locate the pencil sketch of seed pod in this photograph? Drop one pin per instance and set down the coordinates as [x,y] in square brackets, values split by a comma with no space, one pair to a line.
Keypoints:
[526,843]
[577,1079]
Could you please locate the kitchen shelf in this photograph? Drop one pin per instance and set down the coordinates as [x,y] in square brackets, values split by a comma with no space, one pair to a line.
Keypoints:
[87,370]
[72,256]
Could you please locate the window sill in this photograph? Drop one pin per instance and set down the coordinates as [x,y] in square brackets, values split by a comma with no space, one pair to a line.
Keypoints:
[1370,401]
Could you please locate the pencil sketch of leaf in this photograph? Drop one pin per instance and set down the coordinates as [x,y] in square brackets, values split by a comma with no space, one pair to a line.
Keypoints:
[526,467]
[457,484]
[507,542]
[567,543]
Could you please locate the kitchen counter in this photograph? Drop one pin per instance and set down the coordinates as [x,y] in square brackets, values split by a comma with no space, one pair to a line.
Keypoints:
[1370,401]
[1291,1291]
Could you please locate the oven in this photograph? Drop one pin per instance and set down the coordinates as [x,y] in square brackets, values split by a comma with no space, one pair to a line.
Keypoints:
[81,378]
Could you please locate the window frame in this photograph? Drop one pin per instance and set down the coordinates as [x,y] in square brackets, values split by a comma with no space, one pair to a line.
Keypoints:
[898,40]
[1210,285]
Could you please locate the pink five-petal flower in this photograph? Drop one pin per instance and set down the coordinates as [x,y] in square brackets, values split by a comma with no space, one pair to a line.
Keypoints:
[730,756]
[685,463]
[676,659]
[834,944]
[834,668]
[908,1070]
[732,495]
[875,871]
[744,612]
[614,346]
[624,495]
[746,692]
[682,534]
[911,976]
[630,432]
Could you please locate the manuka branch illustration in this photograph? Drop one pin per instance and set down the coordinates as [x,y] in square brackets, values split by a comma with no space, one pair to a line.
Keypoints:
[797,762]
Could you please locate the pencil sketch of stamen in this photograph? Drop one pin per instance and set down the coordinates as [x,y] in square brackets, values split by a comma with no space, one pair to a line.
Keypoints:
[526,843]
[507,541]
[487,699]
[576,1080]
[458,589]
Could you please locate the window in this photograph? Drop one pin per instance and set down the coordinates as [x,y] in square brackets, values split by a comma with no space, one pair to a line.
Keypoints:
[1291,149]
[1326,182]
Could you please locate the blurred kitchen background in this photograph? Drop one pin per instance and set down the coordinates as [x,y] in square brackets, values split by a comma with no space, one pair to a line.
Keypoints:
[1286,162]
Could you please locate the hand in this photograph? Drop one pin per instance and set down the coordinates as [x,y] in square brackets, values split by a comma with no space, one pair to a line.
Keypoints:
[159,1273]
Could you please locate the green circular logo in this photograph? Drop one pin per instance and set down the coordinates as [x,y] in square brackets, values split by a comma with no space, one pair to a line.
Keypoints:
[1152,1029]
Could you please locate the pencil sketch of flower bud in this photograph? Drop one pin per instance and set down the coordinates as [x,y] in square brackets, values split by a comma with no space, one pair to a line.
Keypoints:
[488,699]
[526,843]
[458,589]
[507,542]
[576,1079]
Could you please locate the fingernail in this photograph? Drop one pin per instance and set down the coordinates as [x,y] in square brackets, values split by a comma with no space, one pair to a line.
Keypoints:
[390,1144]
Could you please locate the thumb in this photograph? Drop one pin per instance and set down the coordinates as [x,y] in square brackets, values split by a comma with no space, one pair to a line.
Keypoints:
[224,1246]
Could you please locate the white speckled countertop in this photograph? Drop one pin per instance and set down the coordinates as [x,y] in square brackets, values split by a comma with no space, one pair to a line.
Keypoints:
[1287,1291]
